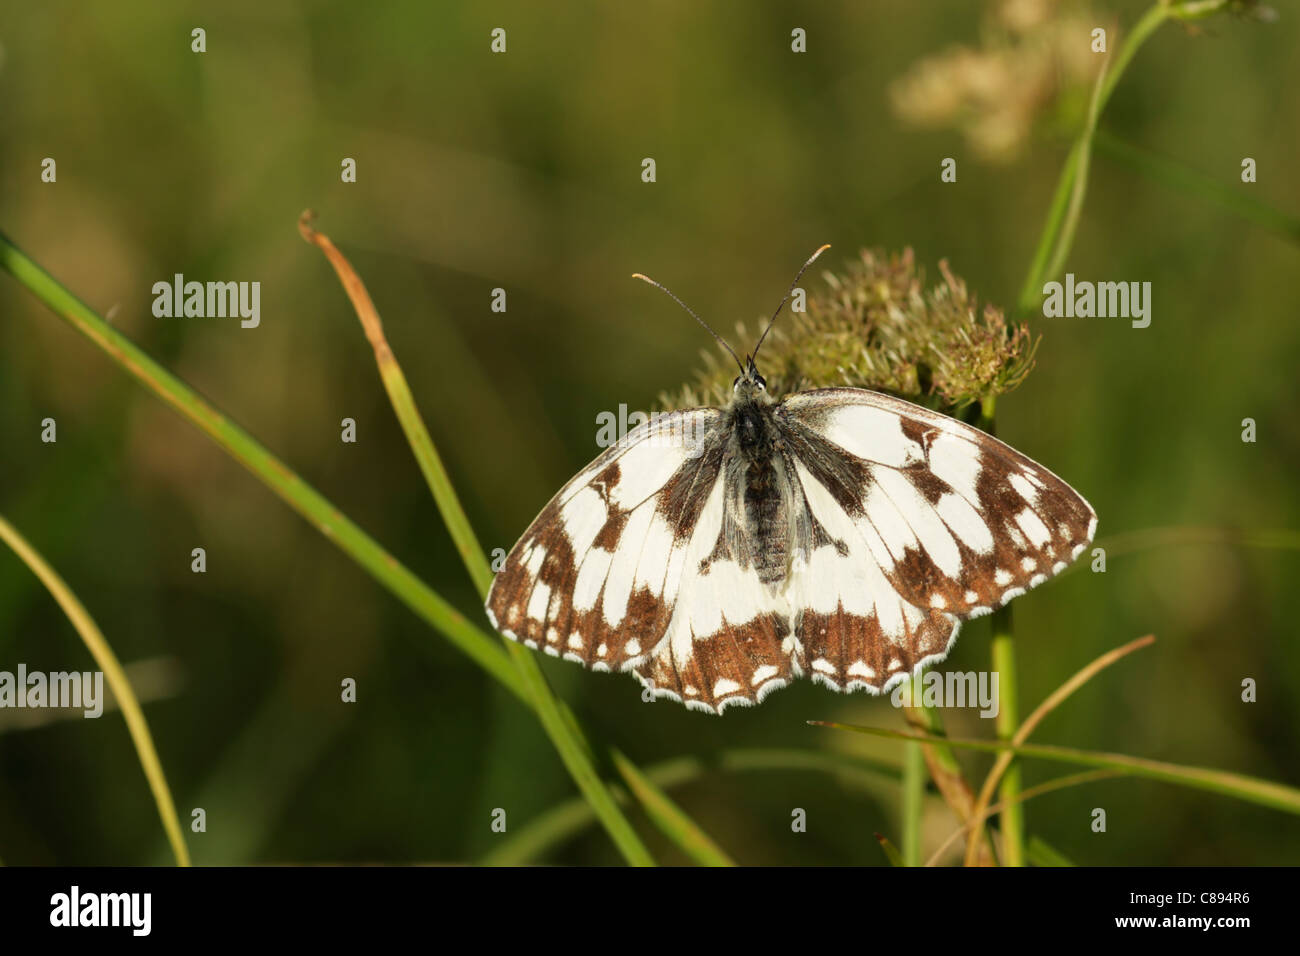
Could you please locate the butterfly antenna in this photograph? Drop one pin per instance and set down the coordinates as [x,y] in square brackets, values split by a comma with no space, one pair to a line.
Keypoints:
[721,340]
[811,260]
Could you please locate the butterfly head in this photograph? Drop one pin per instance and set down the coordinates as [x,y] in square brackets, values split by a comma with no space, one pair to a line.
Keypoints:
[751,385]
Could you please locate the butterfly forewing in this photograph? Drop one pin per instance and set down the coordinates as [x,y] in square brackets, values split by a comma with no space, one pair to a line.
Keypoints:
[933,521]
[594,577]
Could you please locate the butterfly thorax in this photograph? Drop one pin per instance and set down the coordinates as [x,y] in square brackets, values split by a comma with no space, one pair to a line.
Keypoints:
[759,528]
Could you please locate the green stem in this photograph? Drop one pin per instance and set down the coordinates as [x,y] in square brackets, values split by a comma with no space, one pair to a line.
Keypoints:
[1032,289]
[913,794]
[913,799]
[1067,201]
[1003,653]
[1012,818]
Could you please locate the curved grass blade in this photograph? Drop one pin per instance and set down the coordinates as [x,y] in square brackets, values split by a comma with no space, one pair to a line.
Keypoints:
[300,496]
[1174,175]
[1060,783]
[103,654]
[555,717]
[1054,700]
[1250,789]
[1067,201]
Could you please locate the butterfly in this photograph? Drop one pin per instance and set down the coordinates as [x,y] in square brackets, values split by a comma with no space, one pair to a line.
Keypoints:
[839,534]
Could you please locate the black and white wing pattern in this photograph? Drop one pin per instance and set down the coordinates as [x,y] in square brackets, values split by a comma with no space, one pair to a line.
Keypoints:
[927,521]
[840,534]
[619,573]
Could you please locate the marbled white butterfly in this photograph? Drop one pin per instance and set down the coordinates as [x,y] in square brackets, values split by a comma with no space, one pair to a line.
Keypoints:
[836,533]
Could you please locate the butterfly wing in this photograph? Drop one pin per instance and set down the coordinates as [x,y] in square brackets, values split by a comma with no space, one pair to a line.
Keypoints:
[622,571]
[924,521]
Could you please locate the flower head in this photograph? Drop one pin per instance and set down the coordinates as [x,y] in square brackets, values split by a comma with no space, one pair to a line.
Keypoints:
[876,326]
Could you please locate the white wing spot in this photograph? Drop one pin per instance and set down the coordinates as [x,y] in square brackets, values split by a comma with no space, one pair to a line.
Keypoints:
[763,673]
[725,686]
[956,461]
[632,648]
[823,665]
[959,515]
[1001,577]
[1023,487]
[1028,564]
[872,434]
[1034,527]
[860,669]
[538,602]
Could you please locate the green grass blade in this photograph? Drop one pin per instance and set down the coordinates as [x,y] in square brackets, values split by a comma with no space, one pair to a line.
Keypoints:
[556,719]
[1060,783]
[1040,854]
[891,852]
[566,820]
[1067,201]
[577,760]
[670,818]
[277,476]
[1251,789]
[103,654]
[1174,175]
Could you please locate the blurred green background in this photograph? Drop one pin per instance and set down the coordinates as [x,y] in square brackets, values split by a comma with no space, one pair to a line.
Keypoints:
[523,171]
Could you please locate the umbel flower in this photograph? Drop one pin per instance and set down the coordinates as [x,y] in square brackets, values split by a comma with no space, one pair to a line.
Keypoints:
[1034,68]
[875,325]
[1035,65]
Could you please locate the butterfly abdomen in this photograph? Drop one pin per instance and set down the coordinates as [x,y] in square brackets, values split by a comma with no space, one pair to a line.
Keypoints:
[764,494]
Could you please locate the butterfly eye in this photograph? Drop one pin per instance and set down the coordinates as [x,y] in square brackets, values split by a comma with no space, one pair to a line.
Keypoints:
[762,383]
[736,383]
